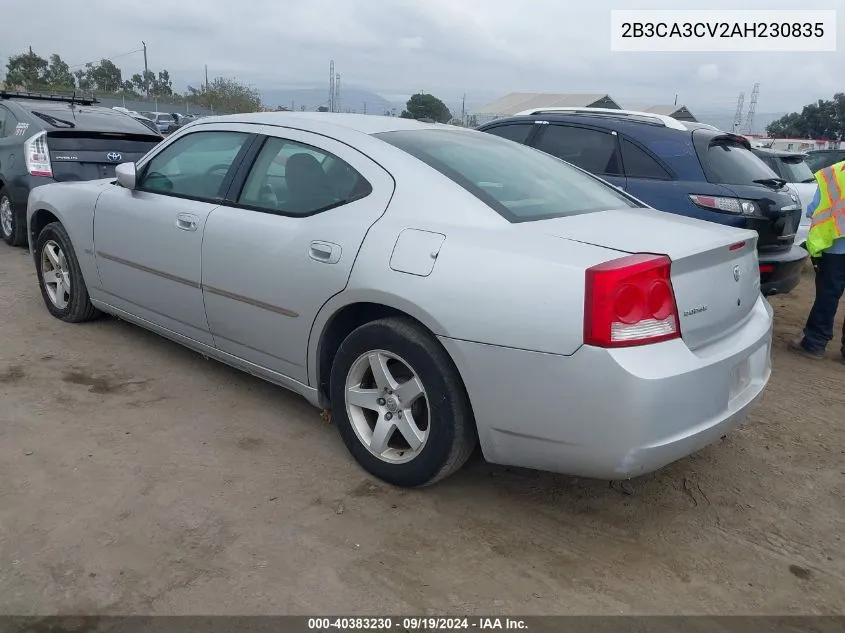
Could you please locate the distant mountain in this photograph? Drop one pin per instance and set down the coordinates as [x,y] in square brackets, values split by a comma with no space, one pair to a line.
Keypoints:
[350,99]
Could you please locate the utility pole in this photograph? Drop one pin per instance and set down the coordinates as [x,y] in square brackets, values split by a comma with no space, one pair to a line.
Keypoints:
[206,77]
[676,98]
[738,116]
[365,107]
[331,87]
[146,72]
[337,93]
[464,110]
[752,109]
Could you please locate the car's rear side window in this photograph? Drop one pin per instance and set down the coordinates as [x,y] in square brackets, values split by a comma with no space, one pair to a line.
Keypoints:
[638,163]
[516,181]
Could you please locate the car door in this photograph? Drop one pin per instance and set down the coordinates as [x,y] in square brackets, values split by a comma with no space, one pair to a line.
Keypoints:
[9,141]
[594,150]
[286,243]
[148,240]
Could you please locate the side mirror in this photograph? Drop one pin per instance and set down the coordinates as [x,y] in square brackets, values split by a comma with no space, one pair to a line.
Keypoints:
[125,173]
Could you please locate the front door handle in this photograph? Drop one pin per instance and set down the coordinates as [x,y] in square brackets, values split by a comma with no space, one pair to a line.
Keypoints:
[324,252]
[187,222]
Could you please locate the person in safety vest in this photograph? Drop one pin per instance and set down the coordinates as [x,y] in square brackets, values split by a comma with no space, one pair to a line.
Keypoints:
[826,241]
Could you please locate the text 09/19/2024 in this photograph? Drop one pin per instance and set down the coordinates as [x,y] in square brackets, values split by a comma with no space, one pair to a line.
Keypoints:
[723,31]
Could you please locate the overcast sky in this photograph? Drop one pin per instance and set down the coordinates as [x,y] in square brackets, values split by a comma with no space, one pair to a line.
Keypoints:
[485,48]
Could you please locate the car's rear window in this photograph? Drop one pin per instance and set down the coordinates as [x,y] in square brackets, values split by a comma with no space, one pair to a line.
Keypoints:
[518,182]
[729,162]
[796,170]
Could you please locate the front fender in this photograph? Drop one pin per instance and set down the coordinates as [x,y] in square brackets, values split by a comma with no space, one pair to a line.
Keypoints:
[72,204]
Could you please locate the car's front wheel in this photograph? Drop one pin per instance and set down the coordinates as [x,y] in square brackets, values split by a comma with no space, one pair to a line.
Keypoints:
[12,229]
[60,277]
[400,405]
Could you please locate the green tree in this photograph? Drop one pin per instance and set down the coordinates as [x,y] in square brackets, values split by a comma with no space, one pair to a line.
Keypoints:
[226,95]
[161,86]
[83,78]
[425,106]
[106,77]
[58,75]
[823,119]
[26,70]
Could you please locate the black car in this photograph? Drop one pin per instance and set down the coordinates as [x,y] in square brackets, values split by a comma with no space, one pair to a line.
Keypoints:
[820,158]
[685,168]
[48,138]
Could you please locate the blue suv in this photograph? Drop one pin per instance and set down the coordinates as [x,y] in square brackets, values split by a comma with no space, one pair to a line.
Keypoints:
[690,169]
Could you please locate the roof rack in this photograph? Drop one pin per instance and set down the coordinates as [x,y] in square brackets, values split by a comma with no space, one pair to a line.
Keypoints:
[631,115]
[40,96]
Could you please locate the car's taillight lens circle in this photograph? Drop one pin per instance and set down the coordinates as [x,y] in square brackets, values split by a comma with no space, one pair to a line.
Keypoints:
[627,305]
[659,300]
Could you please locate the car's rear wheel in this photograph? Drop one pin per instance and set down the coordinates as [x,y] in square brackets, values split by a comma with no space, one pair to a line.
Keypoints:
[12,229]
[60,277]
[400,405]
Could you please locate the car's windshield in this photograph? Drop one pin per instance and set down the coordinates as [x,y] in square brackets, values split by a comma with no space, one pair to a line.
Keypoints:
[518,182]
[796,170]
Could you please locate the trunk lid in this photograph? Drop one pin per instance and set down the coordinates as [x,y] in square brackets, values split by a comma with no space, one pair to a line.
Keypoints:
[92,155]
[716,281]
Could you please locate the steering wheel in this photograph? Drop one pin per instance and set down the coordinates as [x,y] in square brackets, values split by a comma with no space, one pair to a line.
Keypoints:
[158,181]
[224,167]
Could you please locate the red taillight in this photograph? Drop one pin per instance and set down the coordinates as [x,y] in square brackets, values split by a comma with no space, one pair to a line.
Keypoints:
[737,246]
[766,268]
[630,301]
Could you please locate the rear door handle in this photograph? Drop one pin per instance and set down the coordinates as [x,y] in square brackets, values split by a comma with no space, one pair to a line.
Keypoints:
[187,222]
[324,252]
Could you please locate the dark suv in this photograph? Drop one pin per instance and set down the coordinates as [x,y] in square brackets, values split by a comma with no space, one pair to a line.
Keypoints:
[685,168]
[49,138]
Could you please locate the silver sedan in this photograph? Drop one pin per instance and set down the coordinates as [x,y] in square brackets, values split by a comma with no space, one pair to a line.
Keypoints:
[436,288]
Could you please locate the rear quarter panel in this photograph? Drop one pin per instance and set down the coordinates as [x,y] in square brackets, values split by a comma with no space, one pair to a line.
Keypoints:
[72,204]
[492,282]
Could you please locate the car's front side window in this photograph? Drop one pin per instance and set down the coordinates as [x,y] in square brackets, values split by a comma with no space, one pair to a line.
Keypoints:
[291,178]
[194,166]
[593,150]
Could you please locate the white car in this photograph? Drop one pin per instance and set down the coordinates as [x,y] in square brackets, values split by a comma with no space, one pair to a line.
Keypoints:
[793,168]
[435,287]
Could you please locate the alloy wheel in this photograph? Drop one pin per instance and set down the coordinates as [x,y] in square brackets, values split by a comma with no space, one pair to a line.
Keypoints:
[55,274]
[388,407]
[6,216]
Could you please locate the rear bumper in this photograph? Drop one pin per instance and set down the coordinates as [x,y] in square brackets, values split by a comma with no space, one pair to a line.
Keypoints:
[613,414]
[781,272]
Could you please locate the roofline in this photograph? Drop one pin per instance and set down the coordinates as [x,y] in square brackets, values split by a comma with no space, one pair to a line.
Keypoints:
[634,115]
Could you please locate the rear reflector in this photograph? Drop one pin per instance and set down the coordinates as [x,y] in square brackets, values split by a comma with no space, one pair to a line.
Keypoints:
[766,268]
[630,301]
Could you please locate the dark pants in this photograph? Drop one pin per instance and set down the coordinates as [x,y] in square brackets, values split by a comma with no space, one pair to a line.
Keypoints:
[830,285]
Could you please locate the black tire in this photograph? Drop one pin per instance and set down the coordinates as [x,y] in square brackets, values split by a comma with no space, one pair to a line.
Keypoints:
[451,427]
[79,307]
[17,235]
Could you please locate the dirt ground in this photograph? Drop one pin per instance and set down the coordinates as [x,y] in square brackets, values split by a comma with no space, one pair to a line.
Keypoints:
[137,477]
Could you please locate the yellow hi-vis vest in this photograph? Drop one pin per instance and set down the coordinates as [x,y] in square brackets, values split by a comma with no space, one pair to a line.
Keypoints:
[829,217]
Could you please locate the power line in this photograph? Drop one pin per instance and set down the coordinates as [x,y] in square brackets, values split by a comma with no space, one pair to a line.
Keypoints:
[139,50]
